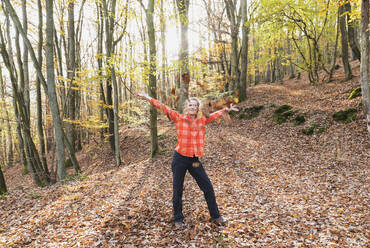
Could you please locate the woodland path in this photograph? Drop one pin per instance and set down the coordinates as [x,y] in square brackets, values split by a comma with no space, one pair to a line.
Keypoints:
[275,185]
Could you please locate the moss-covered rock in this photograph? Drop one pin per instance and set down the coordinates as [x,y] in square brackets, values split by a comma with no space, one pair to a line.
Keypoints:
[299,120]
[313,129]
[282,109]
[310,130]
[250,113]
[355,93]
[345,116]
[282,114]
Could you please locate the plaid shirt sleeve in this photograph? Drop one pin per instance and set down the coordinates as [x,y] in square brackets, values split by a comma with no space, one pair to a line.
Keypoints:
[172,114]
[215,115]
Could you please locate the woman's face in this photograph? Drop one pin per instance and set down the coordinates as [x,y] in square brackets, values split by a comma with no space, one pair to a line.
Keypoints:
[193,107]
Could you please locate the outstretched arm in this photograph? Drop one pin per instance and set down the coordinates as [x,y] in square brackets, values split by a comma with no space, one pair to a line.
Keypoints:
[171,114]
[218,114]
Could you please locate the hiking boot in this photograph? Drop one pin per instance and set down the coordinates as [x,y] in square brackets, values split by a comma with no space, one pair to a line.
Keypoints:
[219,221]
[179,224]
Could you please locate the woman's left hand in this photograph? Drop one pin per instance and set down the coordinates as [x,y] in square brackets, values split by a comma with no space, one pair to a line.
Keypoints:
[232,108]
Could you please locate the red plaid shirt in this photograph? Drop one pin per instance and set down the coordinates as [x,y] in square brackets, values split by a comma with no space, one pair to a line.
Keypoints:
[190,133]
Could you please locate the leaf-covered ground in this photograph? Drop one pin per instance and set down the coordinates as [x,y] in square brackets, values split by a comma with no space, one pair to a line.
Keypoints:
[276,186]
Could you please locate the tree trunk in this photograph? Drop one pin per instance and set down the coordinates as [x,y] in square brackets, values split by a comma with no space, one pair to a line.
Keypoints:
[164,55]
[364,68]
[9,130]
[344,35]
[234,19]
[109,29]
[71,65]
[40,128]
[351,33]
[26,86]
[152,77]
[183,8]
[244,53]
[3,188]
[58,129]
[51,92]
[335,51]
[39,176]
[100,64]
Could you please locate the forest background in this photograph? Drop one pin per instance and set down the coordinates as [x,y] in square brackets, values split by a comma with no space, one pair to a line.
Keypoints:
[68,68]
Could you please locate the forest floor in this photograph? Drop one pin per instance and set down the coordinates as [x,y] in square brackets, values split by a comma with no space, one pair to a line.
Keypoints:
[276,186]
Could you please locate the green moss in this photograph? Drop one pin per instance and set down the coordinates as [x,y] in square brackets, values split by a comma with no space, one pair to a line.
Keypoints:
[320,130]
[313,129]
[355,93]
[345,116]
[73,177]
[248,113]
[310,130]
[68,163]
[282,109]
[299,120]
[34,195]
[162,136]
[282,114]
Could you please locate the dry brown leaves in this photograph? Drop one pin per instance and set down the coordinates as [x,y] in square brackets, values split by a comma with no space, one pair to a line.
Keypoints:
[275,185]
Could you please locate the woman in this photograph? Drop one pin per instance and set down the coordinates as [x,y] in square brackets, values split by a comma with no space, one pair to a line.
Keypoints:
[190,146]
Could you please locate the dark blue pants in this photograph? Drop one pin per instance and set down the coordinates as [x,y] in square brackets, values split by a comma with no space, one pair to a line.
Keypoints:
[180,165]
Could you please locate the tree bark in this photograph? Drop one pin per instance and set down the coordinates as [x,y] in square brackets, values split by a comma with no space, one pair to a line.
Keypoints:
[244,52]
[351,34]
[234,19]
[40,128]
[100,64]
[58,129]
[164,55]
[152,77]
[344,39]
[9,138]
[71,65]
[183,8]
[364,68]
[109,30]
[39,176]
[26,86]
[335,51]
[3,188]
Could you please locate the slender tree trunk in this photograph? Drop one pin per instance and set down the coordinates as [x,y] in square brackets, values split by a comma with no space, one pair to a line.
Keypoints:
[109,29]
[234,19]
[351,33]
[39,176]
[152,77]
[244,52]
[58,129]
[335,51]
[183,8]
[9,138]
[3,188]
[51,92]
[344,35]
[100,64]
[164,55]
[364,68]
[26,86]
[40,128]
[71,65]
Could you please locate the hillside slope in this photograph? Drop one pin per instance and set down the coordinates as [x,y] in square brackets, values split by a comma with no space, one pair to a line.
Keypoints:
[277,186]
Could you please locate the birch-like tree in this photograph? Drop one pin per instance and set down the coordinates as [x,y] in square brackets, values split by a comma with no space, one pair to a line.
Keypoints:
[364,68]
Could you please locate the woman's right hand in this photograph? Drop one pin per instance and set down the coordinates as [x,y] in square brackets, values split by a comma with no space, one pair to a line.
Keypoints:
[143,95]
